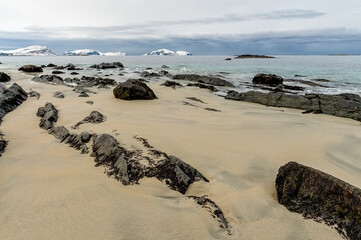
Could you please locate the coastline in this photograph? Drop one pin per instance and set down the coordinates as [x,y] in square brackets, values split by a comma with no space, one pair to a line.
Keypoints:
[238,149]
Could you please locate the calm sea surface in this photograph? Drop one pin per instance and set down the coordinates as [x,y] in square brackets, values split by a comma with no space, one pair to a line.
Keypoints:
[344,72]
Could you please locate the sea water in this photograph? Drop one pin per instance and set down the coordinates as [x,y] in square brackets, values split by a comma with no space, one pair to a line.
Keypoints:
[344,72]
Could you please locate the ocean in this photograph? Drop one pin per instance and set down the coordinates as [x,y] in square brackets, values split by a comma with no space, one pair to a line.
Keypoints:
[344,72]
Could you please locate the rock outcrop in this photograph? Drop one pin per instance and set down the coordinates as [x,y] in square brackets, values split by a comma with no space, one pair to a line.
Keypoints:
[345,105]
[31,68]
[321,197]
[4,77]
[94,117]
[171,84]
[267,79]
[10,99]
[50,79]
[215,81]
[133,89]
[48,114]
[108,65]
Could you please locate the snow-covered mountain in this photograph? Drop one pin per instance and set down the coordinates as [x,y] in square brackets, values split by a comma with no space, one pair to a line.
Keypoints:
[167,52]
[28,51]
[90,52]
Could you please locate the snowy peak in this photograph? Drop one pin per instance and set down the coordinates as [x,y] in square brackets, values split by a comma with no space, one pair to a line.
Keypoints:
[91,52]
[28,51]
[167,52]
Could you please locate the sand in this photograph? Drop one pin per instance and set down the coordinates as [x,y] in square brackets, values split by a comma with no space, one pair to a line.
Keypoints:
[51,191]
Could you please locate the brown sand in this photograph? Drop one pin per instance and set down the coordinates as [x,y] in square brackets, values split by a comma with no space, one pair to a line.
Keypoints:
[51,191]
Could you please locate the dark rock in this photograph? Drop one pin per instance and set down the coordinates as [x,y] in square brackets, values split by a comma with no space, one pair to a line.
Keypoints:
[34,94]
[164,66]
[72,67]
[295,88]
[57,72]
[74,73]
[49,79]
[200,85]
[78,141]
[94,117]
[11,98]
[216,212]
[96,81]
[228,59]
[3,144]
[89,102]
[195,99]
[148,68]
[59,67]
[320,196]
[171,84]
[212,110]
[133,89]
[120,74]
[4,77]
[60,133]
[309,83]
[72,80]
[164,73]
[49,115]
[268,79]
[251,56]
[108,65]
[58,94]
[51,65]
[146,74]
[83,94]
[321,80]
[43,66]
[299,75]
[30,68]
[203,79]
[342,105]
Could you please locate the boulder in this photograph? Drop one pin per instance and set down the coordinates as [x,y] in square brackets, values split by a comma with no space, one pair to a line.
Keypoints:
[96,81]
[58,94]
[108,65]
[4,77]
[215,81]
[51,65]
[34,94]
[57,72]
[147,74]
[49,79]
[133,89]
[268,79]
[11,98]
[171,84]
[321,197]
[48,114]
[30,68]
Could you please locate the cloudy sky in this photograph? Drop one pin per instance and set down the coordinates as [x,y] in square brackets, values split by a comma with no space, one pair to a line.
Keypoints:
[202,26]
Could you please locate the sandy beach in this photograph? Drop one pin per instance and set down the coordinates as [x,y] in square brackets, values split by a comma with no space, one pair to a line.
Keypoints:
[51,191]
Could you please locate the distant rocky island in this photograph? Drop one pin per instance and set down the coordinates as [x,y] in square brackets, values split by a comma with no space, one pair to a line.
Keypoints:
[28,51]
[91,52]
[167,52]
[252,56]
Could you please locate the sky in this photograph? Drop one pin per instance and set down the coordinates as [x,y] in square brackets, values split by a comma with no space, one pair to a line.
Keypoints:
[202,27]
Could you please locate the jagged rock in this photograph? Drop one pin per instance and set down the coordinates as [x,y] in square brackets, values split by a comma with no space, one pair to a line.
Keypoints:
[78,141]
[49,79]
[146,74]
[268,79]
[58,94]
[89,102]
[171,84]
[177,174]
[203,79]
[3,144]
[4,77]
[164,66]
[213,208]
[30,68]
[60,133]
[94,117]
[48,114]
[133,89]
[57,72]
[109,154]
[11,98]
[200,85]
[108,65]
[345,105]
[320,196]
[34,94]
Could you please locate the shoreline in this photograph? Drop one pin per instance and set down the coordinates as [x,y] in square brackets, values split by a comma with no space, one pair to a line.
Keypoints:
[238,149]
